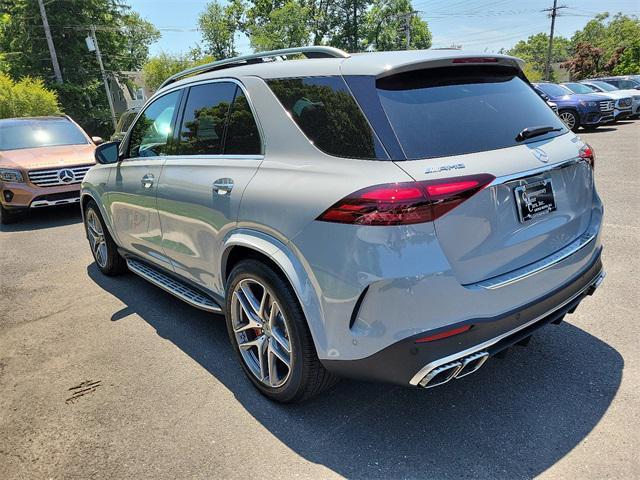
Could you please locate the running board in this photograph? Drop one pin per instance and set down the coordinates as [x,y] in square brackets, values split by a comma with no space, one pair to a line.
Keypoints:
[175,287]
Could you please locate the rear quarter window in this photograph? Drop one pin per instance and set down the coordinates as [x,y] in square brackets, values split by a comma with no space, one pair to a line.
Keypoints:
[328,115]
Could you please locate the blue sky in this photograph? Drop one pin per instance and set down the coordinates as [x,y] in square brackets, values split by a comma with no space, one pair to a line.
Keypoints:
[476,24]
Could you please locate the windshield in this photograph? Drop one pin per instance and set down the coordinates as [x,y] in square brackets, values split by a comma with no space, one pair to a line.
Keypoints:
[19,134]
[604,86]
[578,88]
[447,111]
[554,90]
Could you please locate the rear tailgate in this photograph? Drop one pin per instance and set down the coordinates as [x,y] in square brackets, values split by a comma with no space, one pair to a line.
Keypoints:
[485,236]
[467,120]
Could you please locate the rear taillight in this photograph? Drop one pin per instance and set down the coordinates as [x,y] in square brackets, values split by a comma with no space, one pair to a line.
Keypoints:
[587,153]
[405,203]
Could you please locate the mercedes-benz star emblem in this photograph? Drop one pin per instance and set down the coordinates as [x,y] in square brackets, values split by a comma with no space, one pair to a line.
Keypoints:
[540,155]
[66,176]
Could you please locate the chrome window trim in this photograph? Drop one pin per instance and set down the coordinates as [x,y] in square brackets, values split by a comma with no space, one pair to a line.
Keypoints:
[205,156]
[424,371]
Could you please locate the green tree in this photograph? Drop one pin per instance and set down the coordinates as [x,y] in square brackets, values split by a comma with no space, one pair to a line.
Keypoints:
[386,26]
[123,36]
[350,29]
[534,49]
[219,25]
[162,66]
[26,98]
[618,40]
[273,25]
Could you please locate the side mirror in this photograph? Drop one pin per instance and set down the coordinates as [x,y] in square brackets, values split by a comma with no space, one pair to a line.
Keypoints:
[97,140]
[107,153]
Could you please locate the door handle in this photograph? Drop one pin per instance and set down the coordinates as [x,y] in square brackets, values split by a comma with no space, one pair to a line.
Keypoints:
[223,186]
[147,180]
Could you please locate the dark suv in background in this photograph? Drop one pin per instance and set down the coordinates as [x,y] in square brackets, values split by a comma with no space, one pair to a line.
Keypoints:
[578,110]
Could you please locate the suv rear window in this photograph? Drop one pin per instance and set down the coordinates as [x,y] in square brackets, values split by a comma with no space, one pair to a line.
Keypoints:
[328,115]
[456,110]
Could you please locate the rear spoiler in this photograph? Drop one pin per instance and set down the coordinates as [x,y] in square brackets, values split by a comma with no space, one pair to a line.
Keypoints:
[405,61]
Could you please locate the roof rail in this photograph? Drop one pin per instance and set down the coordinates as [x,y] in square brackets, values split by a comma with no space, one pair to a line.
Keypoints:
[309,52]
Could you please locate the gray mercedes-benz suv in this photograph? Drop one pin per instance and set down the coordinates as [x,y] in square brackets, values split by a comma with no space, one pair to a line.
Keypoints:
[398,216]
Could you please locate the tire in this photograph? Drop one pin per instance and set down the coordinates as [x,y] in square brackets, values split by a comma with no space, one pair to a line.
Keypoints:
[7,216]
[570,119]
[305,377]
[103,248]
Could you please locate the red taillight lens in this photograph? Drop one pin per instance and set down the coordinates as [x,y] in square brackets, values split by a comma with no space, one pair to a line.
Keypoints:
[447,195]
[588,154]
[391,204]
[405,203]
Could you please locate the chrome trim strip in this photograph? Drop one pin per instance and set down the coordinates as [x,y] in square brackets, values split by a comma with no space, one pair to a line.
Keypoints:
[535,171]
[174,287]
[512,277]
[48,203]
[424,371]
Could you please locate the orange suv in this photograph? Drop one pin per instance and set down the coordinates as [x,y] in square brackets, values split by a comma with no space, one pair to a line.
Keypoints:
[42,162]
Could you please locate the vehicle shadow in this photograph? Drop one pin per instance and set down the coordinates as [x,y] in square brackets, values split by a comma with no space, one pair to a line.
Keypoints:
[598,130]
[514,418]
[42,218]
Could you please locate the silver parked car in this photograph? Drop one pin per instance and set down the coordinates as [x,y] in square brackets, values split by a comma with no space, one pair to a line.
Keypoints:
[399,216]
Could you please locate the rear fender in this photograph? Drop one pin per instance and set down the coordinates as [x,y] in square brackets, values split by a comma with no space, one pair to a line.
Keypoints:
[303,284]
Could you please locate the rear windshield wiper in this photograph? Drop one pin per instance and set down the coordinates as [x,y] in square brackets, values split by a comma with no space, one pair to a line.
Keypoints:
[531,132]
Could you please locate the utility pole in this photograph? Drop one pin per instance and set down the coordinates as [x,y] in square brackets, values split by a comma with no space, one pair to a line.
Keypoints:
[52,48]
[407,29]
[553,15]
[96,47]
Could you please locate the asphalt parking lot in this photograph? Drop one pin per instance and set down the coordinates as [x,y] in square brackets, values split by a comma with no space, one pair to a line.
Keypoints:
[113,378]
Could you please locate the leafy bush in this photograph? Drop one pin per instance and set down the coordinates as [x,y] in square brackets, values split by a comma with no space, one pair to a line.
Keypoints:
[159,68]
[26,98]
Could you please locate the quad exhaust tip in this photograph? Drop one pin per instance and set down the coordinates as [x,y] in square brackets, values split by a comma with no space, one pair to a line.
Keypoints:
[457,369]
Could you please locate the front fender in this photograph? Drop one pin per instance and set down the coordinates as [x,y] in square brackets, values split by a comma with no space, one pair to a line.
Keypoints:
[302,282]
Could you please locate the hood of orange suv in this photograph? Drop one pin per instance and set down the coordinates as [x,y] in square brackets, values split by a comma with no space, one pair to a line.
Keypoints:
[48,157]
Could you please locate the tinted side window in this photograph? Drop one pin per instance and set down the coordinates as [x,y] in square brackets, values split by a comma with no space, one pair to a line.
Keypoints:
[150,134]
[242,132]
[328,115]
[204,119]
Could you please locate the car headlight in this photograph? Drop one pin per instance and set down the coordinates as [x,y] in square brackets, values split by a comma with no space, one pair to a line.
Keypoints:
[10,175]
[588,104]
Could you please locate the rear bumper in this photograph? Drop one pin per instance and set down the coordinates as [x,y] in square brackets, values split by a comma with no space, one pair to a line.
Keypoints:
[407,362]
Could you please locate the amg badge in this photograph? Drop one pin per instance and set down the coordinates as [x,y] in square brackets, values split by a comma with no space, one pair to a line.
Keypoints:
[444,168]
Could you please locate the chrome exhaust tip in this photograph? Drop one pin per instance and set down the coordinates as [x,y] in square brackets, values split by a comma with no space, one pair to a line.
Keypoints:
[472,364]
[441,375]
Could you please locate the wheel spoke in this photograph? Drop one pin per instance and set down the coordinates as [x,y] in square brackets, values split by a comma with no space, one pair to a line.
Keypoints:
[251,303]
[272,367]
[273,348]
[281,340]
[247,306]
[101,254]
